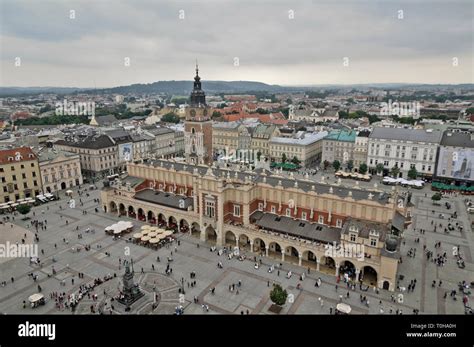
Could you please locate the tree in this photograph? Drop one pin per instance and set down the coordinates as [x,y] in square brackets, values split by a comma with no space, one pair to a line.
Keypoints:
[350,165]
[379,168]
[259,154]
[216,114]
[436,197]
[373,118]
[295,160]
[395,171]
[412,173]
[336,164]
[278,295]
[363,168]
[23,209]
[326,164]
[283,158]
[170,118]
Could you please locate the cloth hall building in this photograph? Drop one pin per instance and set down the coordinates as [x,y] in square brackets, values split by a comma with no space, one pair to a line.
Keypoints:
[283,218]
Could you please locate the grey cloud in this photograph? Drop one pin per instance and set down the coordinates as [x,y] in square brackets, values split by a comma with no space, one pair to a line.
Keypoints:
[261,35]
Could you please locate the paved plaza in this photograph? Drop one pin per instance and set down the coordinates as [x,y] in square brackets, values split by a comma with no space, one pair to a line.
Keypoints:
[66,252]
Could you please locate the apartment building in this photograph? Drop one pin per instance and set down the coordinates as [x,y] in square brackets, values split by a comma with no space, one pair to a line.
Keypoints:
[404,148]
[19,174]
[59,169]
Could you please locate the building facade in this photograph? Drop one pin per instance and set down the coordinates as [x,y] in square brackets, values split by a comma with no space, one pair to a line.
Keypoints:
[455,164]
[225,137]
[305,147]
[98,154]
[339,145]
[283,218]
[261,136]
[19,174]
[59,170]
[404,149]
[361,146]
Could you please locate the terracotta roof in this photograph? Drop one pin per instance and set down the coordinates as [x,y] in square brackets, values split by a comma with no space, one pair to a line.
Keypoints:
[25,154]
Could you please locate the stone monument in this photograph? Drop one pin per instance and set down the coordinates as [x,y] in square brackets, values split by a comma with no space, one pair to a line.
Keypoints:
[130,292]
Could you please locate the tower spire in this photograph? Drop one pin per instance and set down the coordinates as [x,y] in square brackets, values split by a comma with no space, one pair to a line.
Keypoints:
[197,68]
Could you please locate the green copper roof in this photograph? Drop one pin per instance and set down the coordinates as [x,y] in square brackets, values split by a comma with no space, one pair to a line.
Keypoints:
[342,135]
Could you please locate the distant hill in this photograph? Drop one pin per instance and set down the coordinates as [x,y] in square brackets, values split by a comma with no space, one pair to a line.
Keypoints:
[214,87]
[185,87]
[11,91]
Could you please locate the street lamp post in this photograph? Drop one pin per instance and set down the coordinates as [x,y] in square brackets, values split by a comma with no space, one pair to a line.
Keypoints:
[182,285]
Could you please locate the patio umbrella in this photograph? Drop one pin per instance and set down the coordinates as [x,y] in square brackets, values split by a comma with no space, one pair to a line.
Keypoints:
[137,236]
[154,240]
[145,238]
[152,234]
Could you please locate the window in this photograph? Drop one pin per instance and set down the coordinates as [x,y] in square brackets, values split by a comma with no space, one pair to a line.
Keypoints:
[339,223]
[321,220]
[237,210]
[25,185]
[373,242]
[210,209]
[353,237]
[260,206]
[303,216]
[32,164]
[14,177]
[34,173]
[23,175]
[273,209]
[288,212]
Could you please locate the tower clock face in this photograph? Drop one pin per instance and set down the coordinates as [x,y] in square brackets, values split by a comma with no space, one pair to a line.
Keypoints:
[193,113]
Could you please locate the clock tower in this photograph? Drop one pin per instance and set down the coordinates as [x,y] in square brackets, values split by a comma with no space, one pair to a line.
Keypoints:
[198,126]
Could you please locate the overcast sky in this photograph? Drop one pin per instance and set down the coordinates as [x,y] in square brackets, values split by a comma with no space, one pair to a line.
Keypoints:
[260,36]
